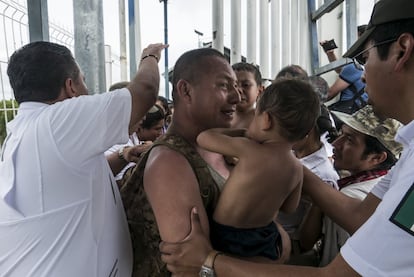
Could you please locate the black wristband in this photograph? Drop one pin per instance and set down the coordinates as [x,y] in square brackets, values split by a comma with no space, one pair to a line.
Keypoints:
[150,55]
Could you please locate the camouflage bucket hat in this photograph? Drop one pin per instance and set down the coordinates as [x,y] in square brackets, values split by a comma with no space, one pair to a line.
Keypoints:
[366,122]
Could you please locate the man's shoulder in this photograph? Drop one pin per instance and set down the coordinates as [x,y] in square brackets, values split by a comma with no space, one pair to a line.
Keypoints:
[171,147]
[349,73]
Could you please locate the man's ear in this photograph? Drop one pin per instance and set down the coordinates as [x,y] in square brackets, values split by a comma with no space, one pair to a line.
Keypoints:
[184,89]
[261,89]
[69,88]
[378,158]
[65,92]
[405,48]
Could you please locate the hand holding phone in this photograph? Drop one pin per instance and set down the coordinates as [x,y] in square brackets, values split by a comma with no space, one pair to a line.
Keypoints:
[329,45]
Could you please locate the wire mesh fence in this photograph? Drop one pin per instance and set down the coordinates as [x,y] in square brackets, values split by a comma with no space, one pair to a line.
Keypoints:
[14,33]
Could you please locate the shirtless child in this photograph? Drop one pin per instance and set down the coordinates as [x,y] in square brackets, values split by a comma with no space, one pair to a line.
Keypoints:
[267,177]
[249,81]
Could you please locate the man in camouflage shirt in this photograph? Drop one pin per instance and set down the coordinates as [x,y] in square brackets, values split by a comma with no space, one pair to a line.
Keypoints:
[175,175]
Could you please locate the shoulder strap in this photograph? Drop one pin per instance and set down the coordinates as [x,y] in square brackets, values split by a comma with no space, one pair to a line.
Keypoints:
[358,96]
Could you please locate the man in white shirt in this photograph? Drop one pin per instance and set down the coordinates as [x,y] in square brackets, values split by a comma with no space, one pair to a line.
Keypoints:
[383,223]
[60,209]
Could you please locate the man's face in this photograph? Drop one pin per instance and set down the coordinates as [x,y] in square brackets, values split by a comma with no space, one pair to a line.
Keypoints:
[215,95]
[380,82]
[348,151]
[248,88]
[152,133]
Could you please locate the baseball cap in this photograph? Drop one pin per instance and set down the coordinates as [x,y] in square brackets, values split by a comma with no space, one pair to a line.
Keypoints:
[366,122]
[385,11]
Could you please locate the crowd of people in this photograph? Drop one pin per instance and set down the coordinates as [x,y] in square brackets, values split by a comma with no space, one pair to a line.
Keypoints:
[229,178]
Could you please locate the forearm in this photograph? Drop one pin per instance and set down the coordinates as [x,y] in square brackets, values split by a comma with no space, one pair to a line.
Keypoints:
[144,89]
[144,86]
[348,212]
[214,139]
[115,163]
[231,132]
[331,56]
[332,92]
[227,266]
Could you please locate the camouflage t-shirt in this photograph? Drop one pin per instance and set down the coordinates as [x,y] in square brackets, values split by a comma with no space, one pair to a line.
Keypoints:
[143,227]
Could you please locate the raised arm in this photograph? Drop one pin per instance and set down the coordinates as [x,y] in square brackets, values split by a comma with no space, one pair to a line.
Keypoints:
[336,88]
[330,54]
[144,86]
[227,141]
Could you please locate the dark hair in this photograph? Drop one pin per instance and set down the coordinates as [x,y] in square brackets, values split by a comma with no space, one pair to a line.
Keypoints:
[324,124]
[118,85]
[294,104]
[372,146]
[165,104]
[153,116]
[38,71]
[388,31]
[292,71]
[321,87]
[190,64]
[242,66]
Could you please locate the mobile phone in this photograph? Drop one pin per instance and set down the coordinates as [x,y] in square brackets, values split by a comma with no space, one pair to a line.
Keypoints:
[329,45]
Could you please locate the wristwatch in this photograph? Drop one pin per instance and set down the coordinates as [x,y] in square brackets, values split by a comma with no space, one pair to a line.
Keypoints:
[206,272]
[121,153]
[207,269]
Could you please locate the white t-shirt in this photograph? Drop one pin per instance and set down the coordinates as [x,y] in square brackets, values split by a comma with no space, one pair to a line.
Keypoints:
[384,245]
[60,209]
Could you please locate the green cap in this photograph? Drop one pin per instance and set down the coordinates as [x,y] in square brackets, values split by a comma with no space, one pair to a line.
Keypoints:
[366,122]
[384,11]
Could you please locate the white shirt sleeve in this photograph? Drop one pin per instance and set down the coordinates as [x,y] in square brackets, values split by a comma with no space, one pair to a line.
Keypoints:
[383,185]
[89,125]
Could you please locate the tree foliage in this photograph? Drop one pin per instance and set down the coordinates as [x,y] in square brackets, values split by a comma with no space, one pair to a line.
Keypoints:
[7,112]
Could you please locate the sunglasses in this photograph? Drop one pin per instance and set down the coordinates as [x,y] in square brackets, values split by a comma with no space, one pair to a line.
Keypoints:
[360,59]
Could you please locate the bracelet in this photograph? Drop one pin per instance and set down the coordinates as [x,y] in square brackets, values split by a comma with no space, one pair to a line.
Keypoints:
[215,256]
[211,258]
[150,55]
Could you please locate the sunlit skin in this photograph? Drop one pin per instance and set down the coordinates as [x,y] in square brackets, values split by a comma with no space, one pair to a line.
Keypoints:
[218,95]
[389,84]
[207,101]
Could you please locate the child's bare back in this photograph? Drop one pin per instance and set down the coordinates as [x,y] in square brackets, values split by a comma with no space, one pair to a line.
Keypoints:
[266,178]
